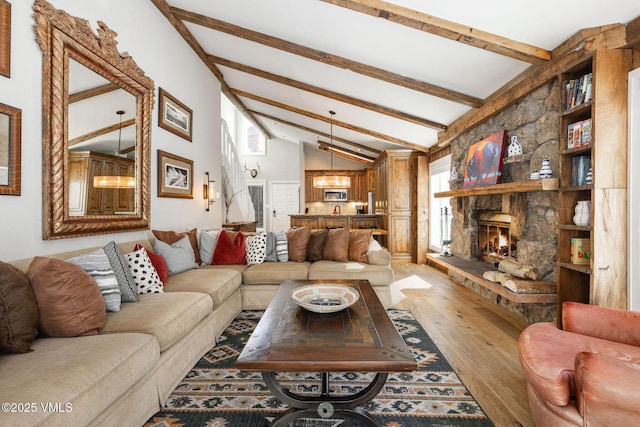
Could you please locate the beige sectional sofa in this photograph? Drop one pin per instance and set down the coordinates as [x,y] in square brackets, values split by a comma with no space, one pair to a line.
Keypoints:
[126,373]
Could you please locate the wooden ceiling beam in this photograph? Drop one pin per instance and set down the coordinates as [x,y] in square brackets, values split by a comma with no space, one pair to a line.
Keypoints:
[328,120]
[325,58]
[447,29]
[182,29]
[103,131]
[316,132]
[94,91]
[564,57]
[328,93]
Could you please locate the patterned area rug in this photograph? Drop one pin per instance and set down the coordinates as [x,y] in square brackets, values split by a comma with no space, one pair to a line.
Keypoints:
[214,394]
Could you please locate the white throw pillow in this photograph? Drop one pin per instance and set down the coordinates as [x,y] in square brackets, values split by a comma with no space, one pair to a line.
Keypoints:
[282,247]
[178,255]
[208,242]
[256,247]
[98,266]
[144,273]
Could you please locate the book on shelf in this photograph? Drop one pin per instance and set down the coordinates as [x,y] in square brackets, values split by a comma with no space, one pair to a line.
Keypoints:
[579,134]
[577,91]
[579,169]
[580,251]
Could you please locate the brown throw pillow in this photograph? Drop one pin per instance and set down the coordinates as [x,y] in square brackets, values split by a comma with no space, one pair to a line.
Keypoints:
[359,245]
[18,311]
[170,237]
[298,242]
[336,247]
[316,242]
[69,301]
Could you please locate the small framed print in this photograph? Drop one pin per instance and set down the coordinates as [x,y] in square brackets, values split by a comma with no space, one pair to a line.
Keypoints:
[174,116]
[10,147]
[175,176]
[5,38]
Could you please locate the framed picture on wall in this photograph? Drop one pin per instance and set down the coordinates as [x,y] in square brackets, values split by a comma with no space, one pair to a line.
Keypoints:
[10,146]
[175,176]
[174,116]
[5,38]
[484,161]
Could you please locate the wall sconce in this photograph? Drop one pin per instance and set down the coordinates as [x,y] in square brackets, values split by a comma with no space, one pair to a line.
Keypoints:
[209,193]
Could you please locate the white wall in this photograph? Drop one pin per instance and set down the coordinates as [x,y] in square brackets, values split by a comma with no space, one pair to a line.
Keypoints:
[316,159]
[633,192]
[158,49]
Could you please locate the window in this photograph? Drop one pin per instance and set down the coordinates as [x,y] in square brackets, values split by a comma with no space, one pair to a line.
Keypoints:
[256,192]
[256,143]
[440,208]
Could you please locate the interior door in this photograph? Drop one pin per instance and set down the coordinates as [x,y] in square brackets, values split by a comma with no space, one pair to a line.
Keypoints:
[285,201]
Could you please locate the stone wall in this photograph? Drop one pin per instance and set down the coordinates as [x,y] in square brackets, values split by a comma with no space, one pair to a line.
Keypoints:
[535,121]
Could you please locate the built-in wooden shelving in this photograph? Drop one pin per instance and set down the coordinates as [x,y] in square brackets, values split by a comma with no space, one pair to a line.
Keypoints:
[546,184]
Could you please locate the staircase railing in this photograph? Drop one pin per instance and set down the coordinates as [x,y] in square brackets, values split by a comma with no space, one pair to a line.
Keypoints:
[233,177]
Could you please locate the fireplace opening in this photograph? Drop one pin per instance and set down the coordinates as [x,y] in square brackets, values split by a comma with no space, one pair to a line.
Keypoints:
[495,241]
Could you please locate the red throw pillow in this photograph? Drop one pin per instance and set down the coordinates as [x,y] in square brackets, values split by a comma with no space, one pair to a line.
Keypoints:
[157,261]
[229,250]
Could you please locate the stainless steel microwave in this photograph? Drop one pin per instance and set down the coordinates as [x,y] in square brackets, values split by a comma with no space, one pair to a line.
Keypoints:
[335,195]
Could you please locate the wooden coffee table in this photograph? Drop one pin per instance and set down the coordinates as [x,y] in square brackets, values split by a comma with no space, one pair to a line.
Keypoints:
[360,338]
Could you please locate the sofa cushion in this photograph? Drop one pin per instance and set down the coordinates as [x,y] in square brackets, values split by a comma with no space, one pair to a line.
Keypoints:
[275,272]
[69,301]
[297,243]
[121,270]
[143,272]
[282,247]
[377,275]
[359,245]
[157,261]
[87,373]
[256,247]
[178,255]
[271,255]
[208,242]
[219,284]
[336,247]
[547,356]
[97,264]
[168,316]
[230,249]
[316,243]
[18,311]
[170,237]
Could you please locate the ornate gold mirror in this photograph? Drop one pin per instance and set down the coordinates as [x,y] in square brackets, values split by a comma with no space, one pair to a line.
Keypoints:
[96,133]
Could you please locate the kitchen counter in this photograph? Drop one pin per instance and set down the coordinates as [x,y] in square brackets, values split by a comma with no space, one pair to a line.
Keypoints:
[350,221]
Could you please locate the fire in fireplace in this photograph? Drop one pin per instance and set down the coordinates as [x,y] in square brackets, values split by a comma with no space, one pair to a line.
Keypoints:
[495,241]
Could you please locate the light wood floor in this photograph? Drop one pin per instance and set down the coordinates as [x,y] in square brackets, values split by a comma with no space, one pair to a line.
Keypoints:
[478,338]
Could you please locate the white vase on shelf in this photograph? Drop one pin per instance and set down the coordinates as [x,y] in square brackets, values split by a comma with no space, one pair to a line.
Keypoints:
[515,148]
[545,169]
[582,215]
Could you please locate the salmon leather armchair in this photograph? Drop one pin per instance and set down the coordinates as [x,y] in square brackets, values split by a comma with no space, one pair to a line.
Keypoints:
[586,374]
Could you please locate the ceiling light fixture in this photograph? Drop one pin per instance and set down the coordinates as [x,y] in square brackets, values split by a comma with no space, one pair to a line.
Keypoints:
[115,181]
[331,180]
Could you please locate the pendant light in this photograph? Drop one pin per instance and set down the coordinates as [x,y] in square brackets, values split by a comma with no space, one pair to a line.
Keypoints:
[115,181]
[331,181]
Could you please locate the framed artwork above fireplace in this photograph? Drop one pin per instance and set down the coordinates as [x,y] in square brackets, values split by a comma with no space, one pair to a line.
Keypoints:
[483,165]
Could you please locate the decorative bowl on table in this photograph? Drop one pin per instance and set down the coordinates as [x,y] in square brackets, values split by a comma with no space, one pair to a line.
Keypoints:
[324,297]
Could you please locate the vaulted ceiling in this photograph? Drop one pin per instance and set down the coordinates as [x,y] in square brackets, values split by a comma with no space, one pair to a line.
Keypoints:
[397,75]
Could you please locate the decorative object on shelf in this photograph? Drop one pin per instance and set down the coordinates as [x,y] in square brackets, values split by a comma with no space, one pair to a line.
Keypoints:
[453,176]
[445,227]
[534,175]
[515,148]
[175,176]
[582,215]
[174,116]
[589,179]
[116,180]
[325,297]
[580,251]
[331,181]
[483,164]
[580,166]
[545,169]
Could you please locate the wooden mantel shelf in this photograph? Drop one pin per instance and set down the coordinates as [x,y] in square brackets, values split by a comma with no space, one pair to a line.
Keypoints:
[546,184]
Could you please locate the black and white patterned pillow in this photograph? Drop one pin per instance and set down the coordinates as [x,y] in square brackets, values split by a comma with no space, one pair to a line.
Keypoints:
[256,247]
[144,273]
[282,247]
